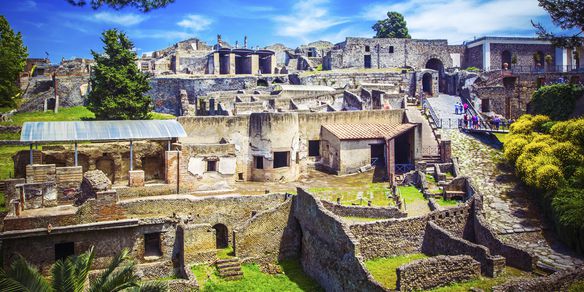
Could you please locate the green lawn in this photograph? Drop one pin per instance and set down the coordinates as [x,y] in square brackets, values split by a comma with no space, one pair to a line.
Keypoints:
[383,270]
[292,279]
[349,195]
[414,200]
[446,203]
[483,283]
[502,137]
[225,253]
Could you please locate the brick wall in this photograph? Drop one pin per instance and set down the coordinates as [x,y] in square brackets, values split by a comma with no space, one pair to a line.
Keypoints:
[436,271]
[363,212]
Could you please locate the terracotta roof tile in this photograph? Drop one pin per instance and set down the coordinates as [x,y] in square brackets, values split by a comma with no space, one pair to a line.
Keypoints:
[367,131]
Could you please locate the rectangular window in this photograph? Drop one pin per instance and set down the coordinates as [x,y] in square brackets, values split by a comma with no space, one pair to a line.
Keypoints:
[152,244]
[281,159]
[391,49]
[211,165]
[64,250]
[259,162]
[314,148]
[367,49]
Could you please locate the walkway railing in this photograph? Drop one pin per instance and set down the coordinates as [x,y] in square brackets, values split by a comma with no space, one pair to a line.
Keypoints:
[403,168]
[426,106]
[503,127]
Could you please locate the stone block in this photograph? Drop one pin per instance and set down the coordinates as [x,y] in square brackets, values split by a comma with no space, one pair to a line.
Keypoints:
[136,178]
[93,181]
[171,166]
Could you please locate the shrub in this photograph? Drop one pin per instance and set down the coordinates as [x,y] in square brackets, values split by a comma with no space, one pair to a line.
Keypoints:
[546,127]
[548,177]
[473,69]
[569,156]
[536,147]
[525,127]
[513,148]
[568,206]
[538,122]
[557,100]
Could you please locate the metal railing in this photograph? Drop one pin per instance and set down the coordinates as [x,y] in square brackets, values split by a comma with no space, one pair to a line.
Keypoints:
[403,168]
[546,69]
[426,106]
[502,126]
[430,151]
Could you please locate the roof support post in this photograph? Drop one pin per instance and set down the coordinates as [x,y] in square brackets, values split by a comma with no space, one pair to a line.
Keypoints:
[30,155]
[168,145]
[131,155]
[76,154]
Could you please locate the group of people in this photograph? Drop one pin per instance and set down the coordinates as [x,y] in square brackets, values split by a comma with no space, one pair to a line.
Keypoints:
[471,121]
[460,108]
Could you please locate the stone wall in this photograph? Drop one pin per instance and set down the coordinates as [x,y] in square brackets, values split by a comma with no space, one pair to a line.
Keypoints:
[199,243]
[438,241]
[436,271]
[195,172]
[558,281]
[474,57]
[351,101]
[269,236]
[363,212]
[70,89]
[329,252]
[523,52]
[354,79]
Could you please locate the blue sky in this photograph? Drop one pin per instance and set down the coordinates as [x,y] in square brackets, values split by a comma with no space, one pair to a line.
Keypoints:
[63,30]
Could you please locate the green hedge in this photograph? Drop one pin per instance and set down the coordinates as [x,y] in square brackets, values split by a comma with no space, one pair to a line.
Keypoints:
[549,158]
[556,101]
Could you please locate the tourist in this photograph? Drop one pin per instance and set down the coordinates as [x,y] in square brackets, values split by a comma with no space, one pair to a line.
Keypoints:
[465,121]
[475,122]
[497,122]
[465,107]
[456,108]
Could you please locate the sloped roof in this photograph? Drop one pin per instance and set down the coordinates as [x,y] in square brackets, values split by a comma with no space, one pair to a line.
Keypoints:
[72,131]
[367,131]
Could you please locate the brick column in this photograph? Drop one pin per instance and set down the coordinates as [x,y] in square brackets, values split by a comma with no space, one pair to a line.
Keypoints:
[136,178]
[171,167]
[445,151]
[255,64]
[390,152]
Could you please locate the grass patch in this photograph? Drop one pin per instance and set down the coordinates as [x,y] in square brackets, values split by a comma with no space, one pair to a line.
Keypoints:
[75,113]
[9,136]
[383,269]
[6,162]
[161,116]
[430,178]
[376,192]
[225,253]
[293,279]
[443,202]
[502,137]
[410,194]
[483,283]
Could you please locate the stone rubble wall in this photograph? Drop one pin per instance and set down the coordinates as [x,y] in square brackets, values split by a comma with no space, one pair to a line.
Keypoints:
[352,101]
[438,241]
[558,281]
[269,236]
[330,254]
[436,271]
[363,211]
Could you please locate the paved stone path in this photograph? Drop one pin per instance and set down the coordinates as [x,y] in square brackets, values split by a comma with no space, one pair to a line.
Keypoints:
[508,208]
[443,106]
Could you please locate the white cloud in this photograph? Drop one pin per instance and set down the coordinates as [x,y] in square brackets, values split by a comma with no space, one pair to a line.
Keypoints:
[195,22]
[127,19]
[460,20]
[307,17]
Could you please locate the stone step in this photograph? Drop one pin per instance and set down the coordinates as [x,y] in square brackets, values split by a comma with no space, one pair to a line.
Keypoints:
[234,278]
[227,265]
[230,260]
[229,269]
[230,274]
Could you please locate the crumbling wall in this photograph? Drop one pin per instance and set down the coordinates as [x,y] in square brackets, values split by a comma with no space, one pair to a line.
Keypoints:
[269,236]
[438,241]
[329,252]
[199,243]
[351,101]
[436,271]
[363,212]
[558,281]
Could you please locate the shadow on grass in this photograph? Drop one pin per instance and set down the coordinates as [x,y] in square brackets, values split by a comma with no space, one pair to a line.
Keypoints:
[293,270]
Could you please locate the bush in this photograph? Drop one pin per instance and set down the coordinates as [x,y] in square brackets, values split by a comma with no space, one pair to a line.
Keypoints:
[538,122]
[557,100]
[569,156]
[548,177]
[568,206]
[513,148]
[473,69]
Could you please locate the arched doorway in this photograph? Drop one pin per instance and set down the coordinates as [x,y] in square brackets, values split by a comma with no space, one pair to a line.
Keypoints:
[427,83]
[106,165]
[221,236]
[436,64]
[506,58]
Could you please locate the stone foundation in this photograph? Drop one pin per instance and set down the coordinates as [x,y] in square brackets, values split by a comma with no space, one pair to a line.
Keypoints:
[436,271]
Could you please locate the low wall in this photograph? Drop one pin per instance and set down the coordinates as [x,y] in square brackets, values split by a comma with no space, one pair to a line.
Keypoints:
[558,281]
[329,252]
[269,236]
[363,212]
[436,271]
[438,241]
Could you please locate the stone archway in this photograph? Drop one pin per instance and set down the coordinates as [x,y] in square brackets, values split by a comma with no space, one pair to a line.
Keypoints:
[221,236]
[436,64]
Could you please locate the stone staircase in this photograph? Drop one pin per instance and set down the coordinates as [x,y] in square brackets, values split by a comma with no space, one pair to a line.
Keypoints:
[229,269]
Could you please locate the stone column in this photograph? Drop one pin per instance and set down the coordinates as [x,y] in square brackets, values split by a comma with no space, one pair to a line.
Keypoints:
[136,178]
[445,151]
[274,62]
[390,156]
[216,64]
[255,64]
[171,164]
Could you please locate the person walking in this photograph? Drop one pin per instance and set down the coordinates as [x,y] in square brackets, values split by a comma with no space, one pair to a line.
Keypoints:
[497,122]
[465,121]
[465,107]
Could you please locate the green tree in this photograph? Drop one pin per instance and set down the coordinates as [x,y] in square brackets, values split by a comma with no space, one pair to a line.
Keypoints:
[394,26]
[70,275]
[117,86]
[567,14]
[13,56]
[142,5]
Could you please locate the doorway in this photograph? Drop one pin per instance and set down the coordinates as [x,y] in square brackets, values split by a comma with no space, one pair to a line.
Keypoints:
[221,236]
[377,154]
[367,61]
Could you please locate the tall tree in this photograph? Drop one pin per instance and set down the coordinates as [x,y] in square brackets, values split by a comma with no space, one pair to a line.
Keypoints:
[13,56]
[70,275]
[567,14]
[142,5]
[117,86]
[394,26]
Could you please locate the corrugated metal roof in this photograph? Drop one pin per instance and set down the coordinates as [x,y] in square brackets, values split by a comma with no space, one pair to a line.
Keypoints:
[288,87]
[367,131]
[101,131]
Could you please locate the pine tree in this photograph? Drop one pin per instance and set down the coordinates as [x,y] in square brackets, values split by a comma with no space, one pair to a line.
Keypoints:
[13,56]
[568,15]
[117,86]
[394,26]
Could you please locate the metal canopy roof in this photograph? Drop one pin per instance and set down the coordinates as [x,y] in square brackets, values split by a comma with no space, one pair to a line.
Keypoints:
[289,87]
[33,132]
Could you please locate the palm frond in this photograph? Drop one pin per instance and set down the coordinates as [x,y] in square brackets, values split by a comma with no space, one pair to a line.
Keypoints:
[27,275]
[69,275]
[9,284]
[153,286]
[122,278]
[115,263]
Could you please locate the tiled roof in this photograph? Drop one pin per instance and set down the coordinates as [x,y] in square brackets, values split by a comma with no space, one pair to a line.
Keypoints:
[367,131]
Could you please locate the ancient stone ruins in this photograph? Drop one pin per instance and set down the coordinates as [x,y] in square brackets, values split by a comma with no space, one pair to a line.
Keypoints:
[256,131]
